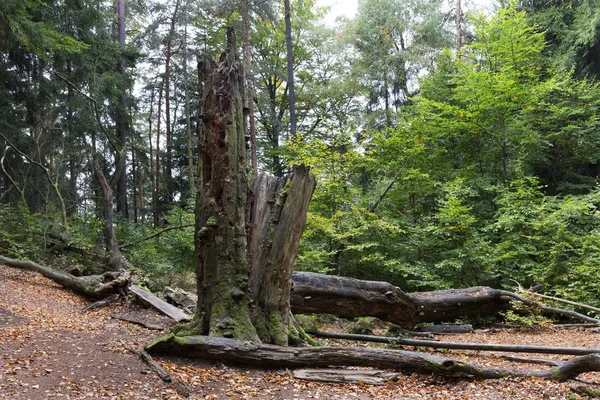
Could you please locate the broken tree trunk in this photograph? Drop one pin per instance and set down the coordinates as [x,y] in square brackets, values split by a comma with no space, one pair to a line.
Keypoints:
[220,243]
[277,220]
[95,287]
[347,297]
[231,350]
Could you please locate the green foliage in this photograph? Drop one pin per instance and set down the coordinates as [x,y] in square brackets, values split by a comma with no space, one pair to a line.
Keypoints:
[167,259]
[22,233]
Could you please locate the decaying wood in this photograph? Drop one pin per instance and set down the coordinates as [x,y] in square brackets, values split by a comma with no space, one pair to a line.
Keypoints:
[346,297]
[102,303]
[161,305]
[447,329]
[160,371]
[231,350]
[546,309]
[95,287]
[543,361]
[461,346]
[367,377]
[141,323]
[277,220]
[559,300]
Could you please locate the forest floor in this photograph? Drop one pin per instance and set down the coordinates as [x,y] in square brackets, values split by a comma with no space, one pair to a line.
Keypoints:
[51,348]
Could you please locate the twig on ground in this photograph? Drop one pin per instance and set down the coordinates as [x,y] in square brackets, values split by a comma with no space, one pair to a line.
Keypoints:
[160,371]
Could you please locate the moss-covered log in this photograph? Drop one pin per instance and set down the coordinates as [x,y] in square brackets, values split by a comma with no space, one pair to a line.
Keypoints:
[95,287]
[231,350]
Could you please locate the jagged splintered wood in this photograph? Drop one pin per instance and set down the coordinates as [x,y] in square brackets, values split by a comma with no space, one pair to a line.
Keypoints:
[246,241]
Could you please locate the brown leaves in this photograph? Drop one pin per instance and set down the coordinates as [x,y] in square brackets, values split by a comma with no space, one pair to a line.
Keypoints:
[51,349]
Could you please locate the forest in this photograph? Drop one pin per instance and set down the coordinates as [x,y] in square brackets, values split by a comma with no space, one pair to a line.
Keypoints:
[419,143]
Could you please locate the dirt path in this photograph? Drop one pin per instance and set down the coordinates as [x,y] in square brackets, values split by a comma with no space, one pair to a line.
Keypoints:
[50,348]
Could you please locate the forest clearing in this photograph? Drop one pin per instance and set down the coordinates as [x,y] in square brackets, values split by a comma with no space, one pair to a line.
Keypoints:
[394,202]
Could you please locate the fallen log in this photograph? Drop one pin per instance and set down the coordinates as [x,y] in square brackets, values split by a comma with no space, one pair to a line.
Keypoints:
[460,346]
[232,350]
[346,297]
[367,377]
[447,329]
[95,287]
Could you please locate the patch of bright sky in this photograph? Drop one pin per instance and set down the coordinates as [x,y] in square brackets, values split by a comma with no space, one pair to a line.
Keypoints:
[347,8]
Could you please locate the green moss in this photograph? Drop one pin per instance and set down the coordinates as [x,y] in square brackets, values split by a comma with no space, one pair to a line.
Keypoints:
[157,342]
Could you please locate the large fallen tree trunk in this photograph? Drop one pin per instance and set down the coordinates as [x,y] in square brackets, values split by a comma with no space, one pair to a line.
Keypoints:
[231,350]
[347,297]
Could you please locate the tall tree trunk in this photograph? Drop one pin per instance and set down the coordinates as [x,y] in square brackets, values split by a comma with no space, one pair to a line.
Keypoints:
[188,121]
[72,192]
[169,134]
[113,258]
[249,85]
[156,194]
[458,25]
[290,68]
[121,120]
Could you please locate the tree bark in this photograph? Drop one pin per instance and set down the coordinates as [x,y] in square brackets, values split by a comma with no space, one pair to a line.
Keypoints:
[220,245]
[290,69]
[278,218]
[113,256]
[346,297]
[121,118]
[169,134]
